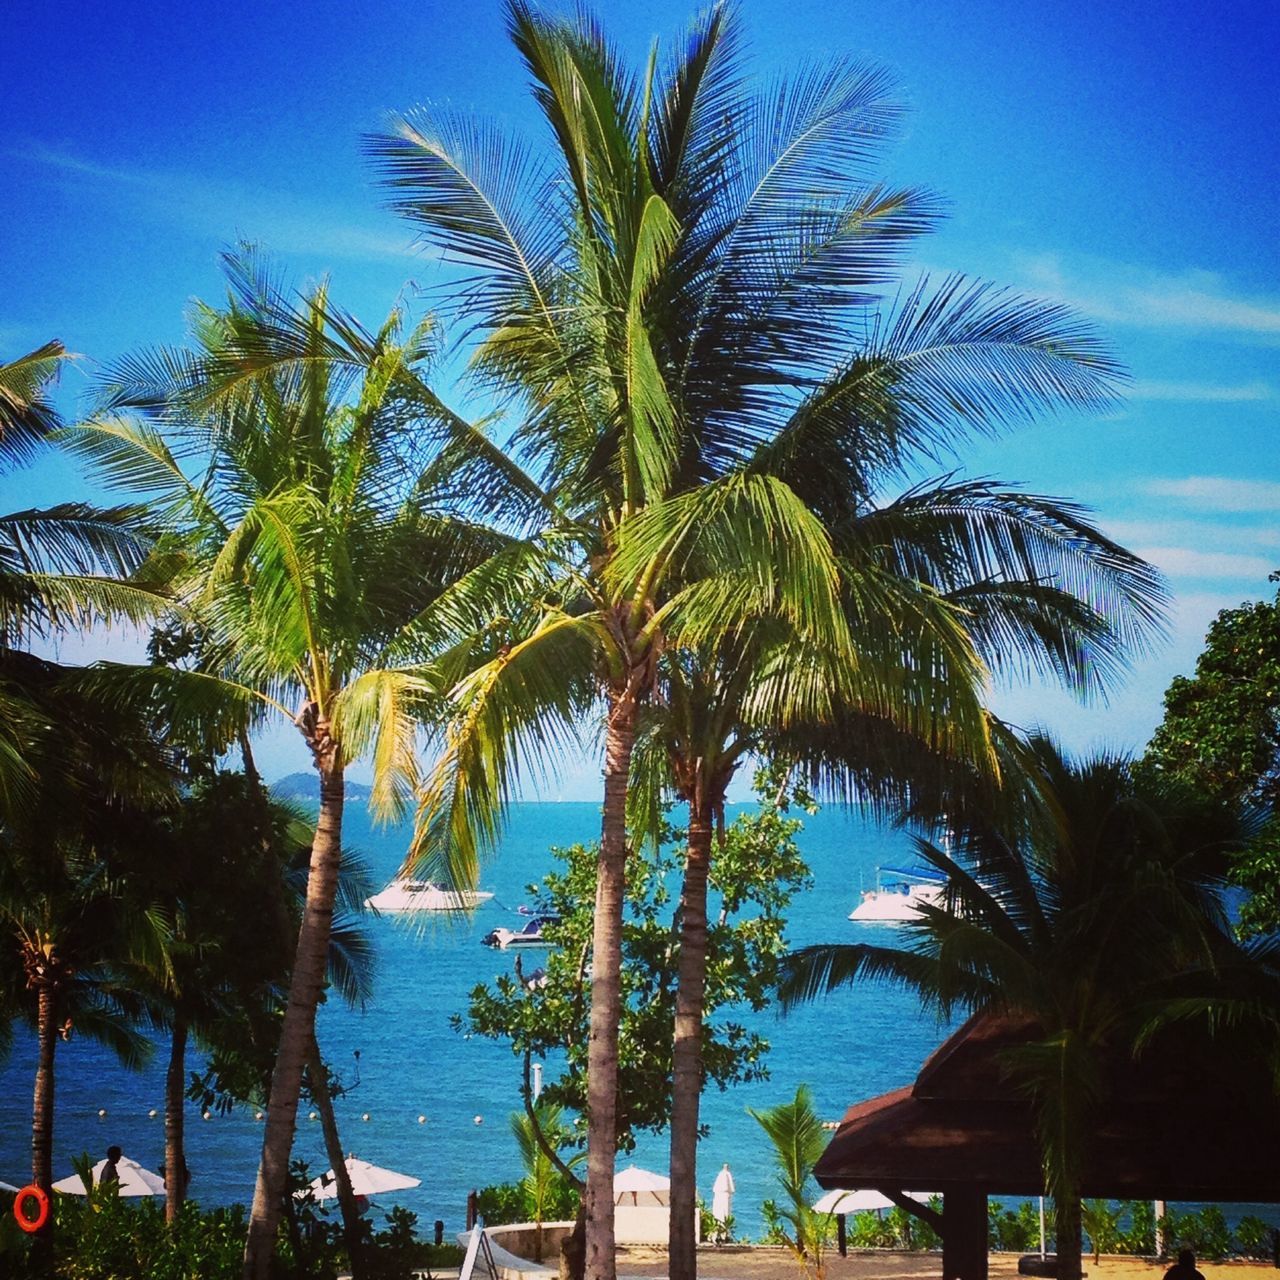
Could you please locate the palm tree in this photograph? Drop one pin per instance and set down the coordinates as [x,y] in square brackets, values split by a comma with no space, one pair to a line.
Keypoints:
[72,918]
[570,257]
[701,349]
[798,1141]
[303,551]
[1074,916]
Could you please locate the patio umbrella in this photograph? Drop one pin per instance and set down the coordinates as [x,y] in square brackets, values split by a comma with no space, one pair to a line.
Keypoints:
[722,1195]
[134,1180]
[367,1180]
[861,1201]
[643,1187]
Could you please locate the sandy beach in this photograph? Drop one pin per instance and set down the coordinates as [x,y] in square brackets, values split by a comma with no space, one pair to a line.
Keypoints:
[759,1263]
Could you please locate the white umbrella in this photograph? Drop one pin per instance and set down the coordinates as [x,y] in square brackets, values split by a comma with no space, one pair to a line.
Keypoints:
[642,1186]
[4,1186]
[366,1180]
[134,1180]
[862,1201]
[722,1195]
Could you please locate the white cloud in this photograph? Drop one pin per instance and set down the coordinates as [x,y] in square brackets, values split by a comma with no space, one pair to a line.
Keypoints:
[1119,293]
[1209,535]
[1222,493]
[1185,562]
[1199,392]
[224,209]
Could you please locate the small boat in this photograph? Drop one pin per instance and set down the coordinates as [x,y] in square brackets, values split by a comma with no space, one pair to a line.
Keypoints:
[528,936]
[403,894]
[898,901]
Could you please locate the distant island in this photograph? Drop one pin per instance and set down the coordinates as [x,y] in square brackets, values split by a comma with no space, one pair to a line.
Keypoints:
[306,786]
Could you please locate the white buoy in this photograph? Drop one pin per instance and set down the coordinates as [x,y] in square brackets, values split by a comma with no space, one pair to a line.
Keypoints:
[479,1120]
[208,1115]
[365,1116]
[312,1116]
[102,1111]
[152,1113]
[257,1115]
[422,1119]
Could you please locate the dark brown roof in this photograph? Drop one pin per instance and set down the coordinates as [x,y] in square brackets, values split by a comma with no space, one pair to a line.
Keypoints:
[1184,1123]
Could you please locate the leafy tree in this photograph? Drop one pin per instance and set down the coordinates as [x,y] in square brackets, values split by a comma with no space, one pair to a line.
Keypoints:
[1101,1222]
[304,550]
[1221,732]
[1074,918]
[547,1016]
[798,1141]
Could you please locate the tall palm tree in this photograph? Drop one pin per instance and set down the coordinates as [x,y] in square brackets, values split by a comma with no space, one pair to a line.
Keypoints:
[688,298]
[282,454]
[570,254]
[1073,916]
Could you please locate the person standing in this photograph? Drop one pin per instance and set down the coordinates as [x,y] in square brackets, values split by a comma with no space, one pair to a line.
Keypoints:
[1185,1268]
[110,1170]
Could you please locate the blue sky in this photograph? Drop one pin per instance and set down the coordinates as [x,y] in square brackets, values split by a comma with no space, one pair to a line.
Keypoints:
[1122,157]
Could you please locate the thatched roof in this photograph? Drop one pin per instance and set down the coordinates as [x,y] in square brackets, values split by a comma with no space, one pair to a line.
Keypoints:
[1189,1120]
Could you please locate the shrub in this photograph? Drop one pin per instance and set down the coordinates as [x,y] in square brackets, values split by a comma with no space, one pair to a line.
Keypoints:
[1257,1239]
[1014,1230]
[1137,1232]
[511,1202]
[1101,1224]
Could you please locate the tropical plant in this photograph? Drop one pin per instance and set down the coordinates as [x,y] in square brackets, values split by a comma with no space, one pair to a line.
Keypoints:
[1221,732]
[1073,919]
[543,1185]
[1101,1222]
[798,1141]
[284,457]
[670,299]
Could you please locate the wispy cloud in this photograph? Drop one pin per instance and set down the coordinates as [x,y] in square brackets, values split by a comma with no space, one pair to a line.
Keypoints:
[1118,293]
[1199,392]
[1184,562]
[223,209]
[1205,535]
[1221,493]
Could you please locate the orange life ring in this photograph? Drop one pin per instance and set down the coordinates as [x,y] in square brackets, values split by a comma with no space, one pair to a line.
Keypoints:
[31,1225]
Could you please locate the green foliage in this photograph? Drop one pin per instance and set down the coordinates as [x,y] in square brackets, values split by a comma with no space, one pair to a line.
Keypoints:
[1101,1222]
[1014,1230]
[755,874]
[1205,1231]
[1255,1238]
[798,1141]
[514,1202]
[1138,1229]
[1221,733]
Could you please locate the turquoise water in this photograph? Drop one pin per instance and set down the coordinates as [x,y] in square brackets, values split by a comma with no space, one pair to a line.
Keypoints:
[411,1063]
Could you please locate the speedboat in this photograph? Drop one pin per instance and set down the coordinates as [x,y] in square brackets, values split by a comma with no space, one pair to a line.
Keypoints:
[898,901]
[403,894]
[528,936]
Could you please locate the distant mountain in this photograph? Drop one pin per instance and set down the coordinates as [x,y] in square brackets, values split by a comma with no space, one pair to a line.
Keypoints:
[306,786]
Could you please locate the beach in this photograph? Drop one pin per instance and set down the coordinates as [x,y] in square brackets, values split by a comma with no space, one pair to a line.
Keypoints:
[760,1263]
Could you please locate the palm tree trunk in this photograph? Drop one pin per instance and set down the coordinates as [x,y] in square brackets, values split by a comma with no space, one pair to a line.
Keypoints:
[319,1076]
[42,1120]
[606,989]
[175,1160]
[686,1091]
[298,1031]
[1066,1220]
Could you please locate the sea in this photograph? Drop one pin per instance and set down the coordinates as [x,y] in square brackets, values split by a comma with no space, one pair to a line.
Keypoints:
[411,1064]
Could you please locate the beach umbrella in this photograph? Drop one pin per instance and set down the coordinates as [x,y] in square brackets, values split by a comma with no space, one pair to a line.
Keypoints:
[640,1187]
[367,1180]
[852,1202]
[4,1186]
[134,1180]
[722,1195]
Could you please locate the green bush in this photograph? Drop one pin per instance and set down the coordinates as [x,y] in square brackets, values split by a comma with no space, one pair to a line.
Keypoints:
[1206,1232]
[1014,1230]
[1137,1233]
[511,1202]
[1255,1238]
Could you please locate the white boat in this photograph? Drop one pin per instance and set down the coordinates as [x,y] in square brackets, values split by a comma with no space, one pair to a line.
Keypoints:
[403,894]
[530,935]
[898,901]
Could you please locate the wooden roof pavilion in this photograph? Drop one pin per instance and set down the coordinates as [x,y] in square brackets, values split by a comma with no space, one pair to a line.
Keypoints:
[1188,1120]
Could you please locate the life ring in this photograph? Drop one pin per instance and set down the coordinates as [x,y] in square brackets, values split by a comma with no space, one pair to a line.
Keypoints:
[31,1225]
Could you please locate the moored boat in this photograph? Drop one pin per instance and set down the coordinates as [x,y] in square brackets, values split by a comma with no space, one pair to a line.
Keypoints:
[403,894]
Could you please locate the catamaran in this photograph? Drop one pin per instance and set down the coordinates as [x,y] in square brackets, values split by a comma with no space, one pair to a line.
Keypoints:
[403,894]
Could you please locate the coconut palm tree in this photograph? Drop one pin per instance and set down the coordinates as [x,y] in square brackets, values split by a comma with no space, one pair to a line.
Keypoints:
[688,298]
[1073,916]
[282,454]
